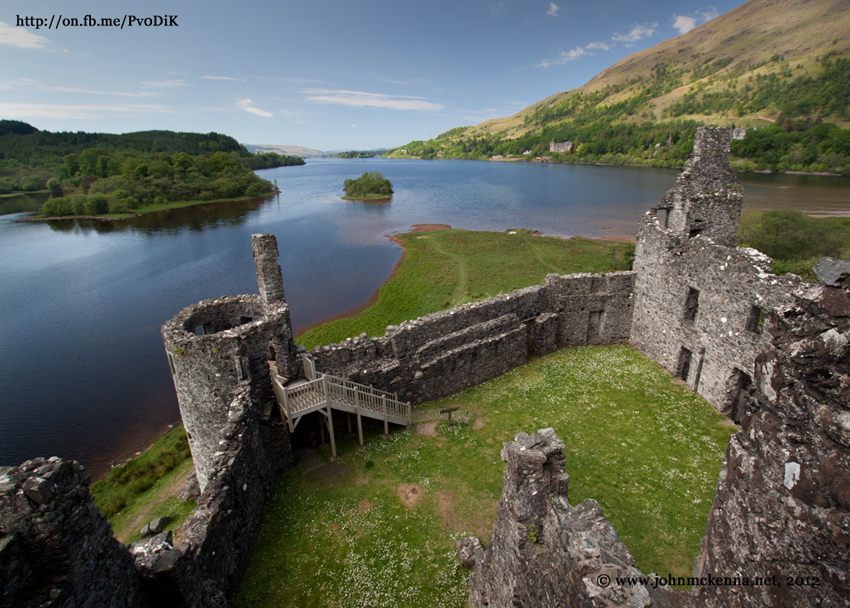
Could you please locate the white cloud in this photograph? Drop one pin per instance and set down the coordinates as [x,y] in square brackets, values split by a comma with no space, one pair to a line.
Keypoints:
[353,126]
[96,92]
[31,84]
[637,32]
[407,82]
[166,83]
[18,36]
[571,55]
[221,78]
[77,112]
[709,14]
[361,99]
[684,24]
[553,9]
[246,104]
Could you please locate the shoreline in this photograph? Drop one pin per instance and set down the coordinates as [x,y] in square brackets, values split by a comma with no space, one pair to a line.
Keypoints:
[143,212]
[414,228]
[565,162]
[373,199]
[353,312]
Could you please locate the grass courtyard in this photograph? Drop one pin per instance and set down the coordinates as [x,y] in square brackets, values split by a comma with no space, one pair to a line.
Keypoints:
[377,527]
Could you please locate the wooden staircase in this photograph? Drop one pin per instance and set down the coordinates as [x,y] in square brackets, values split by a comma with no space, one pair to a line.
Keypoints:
[326,393]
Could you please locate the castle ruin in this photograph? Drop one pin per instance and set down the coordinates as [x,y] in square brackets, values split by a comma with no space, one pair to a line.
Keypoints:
[769,352]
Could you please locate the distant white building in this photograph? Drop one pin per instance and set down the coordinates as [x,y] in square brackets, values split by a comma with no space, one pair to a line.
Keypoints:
[739,133]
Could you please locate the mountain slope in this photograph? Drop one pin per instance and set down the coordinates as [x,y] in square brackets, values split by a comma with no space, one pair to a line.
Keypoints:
[758,38]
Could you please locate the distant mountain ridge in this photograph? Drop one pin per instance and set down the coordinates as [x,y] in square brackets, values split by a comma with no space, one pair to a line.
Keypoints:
[288,150]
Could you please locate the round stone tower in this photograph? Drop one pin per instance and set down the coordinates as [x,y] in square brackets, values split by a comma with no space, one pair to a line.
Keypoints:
[220,349]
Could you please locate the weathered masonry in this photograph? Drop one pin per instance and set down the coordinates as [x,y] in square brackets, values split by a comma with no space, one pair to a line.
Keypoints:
[770,352]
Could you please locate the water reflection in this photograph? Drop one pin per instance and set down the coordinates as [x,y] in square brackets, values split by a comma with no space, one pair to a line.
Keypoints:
[818,195]
[22,203]
[197,218]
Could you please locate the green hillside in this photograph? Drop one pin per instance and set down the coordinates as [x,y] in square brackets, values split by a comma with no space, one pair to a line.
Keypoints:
[779,66]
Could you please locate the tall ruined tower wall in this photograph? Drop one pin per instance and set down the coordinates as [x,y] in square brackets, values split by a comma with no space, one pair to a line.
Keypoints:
[707,196]
[699,301]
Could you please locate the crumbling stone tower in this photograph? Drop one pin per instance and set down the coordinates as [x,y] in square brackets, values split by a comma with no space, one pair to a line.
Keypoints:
[707,196]
[219,352]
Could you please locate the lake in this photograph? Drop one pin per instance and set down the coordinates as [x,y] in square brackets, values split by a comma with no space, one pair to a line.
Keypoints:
[83,372]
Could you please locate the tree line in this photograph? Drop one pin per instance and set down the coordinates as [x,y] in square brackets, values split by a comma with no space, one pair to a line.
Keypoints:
[121,173]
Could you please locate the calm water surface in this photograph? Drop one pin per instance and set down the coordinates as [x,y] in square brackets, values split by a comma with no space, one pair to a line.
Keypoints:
[82,368]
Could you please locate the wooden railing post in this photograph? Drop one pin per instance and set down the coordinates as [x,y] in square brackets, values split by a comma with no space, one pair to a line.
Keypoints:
[409,415]
[384,408]
[331,431]
[357,409]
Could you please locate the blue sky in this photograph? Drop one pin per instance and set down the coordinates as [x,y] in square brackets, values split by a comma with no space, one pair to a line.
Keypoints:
[324,74]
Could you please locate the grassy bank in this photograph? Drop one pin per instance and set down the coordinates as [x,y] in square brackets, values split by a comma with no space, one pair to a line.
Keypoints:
[144,210]
[795,241]
[377,527]
[446,268]
[369,198]
[146,487]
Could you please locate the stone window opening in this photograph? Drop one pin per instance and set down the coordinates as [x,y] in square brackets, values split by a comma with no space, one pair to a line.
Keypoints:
[755,321]
[205,329]
[663,216]
[171,363]
[691,305]
[683,367]
[739,394]
[694,232]
[244,320]
[242,370]
[698,373]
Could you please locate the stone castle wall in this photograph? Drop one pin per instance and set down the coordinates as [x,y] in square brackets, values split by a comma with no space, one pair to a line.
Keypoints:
[782,506]
[546,552]
[771,352]
[700,309]
[56,548]
[445,352]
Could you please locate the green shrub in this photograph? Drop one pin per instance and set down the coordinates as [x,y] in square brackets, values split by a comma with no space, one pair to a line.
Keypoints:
[97,204]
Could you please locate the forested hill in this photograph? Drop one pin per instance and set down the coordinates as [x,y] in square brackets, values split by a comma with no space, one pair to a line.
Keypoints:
[779,66]
[32,160]
[24,143]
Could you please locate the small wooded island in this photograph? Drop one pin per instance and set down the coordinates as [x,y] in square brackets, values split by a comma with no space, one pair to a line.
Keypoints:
[371,186]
